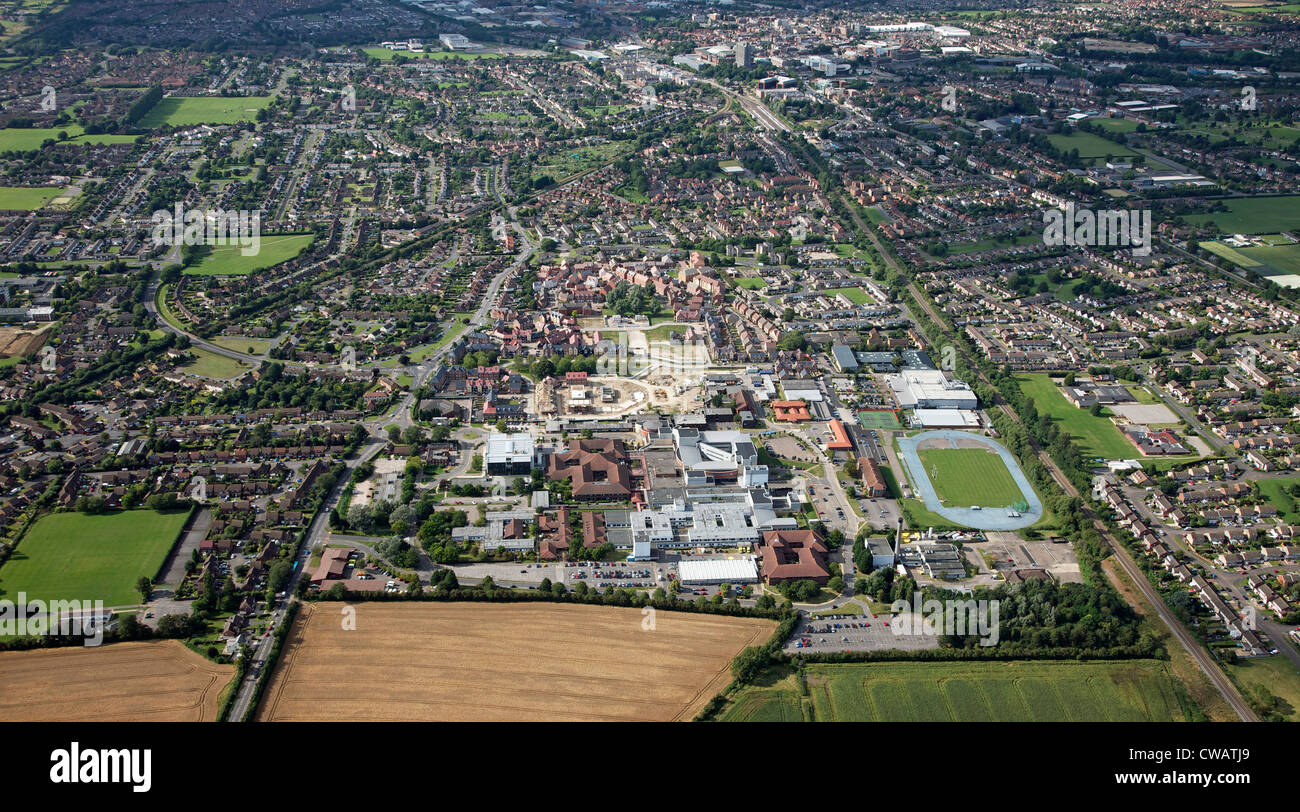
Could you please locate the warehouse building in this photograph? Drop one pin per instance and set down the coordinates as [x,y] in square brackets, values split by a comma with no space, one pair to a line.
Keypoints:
[718,571]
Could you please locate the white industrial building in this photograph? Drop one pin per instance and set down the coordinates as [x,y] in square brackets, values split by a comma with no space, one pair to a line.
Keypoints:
[718,571]
[930,389]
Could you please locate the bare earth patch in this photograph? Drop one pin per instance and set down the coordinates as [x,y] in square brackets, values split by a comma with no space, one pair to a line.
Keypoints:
[153,681]
[503,662]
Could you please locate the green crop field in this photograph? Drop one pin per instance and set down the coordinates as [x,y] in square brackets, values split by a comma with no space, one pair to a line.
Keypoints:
[229,260]
[73,556]
[969,476]
[1254,215]
[186,111]
[1096,436]
[27,198]
[1130,691]
[1279,262]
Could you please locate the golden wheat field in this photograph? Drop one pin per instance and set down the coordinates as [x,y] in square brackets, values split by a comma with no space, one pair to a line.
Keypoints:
[503,662]
[154,681]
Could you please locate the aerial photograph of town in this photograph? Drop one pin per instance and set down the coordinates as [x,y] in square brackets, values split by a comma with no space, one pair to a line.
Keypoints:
[650,360]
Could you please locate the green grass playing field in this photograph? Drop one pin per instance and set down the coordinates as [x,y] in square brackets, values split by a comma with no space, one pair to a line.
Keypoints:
[1254,215]
[878,419]
[385,54]
[1089,145]
[73,556]
[1096,436]
[1132,691]
[186,111]
[969,476]
[229,260]
[27,198]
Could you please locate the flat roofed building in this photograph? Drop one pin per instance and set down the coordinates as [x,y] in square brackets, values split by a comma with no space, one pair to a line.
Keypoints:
[509,453]
[718,571]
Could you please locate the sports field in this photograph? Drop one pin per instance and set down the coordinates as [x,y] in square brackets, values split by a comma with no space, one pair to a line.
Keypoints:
[503,661]
[969,476]
[1278,262]
[1254,215]
[1096,436]
[229,260]
[1131,691]
[71,556]
[186,111]
[27,198]
[878,419]
[152,681]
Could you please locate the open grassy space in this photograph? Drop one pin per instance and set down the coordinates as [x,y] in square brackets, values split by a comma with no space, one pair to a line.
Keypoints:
[229,260]
[1275,491]
[1096,436]
[29,138]
[1131,691]
[186,111]
[1279,262]
[68,556]
[970,476]
[212,365]
[1276,675]
[1254,215]
[856,295]
[751,282]
[27,198]
[1090,146]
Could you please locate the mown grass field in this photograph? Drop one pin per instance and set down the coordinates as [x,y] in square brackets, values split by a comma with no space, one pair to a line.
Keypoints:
[211,365]
[969,476]
[229,260]
[1254,215]
[27,198]
[1131,691]
[1090,146]
[1096,436]
[1276,675]
[186,111]
[856,295]
[69,556]
[24,138]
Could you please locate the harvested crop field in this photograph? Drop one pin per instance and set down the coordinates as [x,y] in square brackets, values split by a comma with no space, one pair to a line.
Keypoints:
[17,342]
[153,681]
[503,662]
